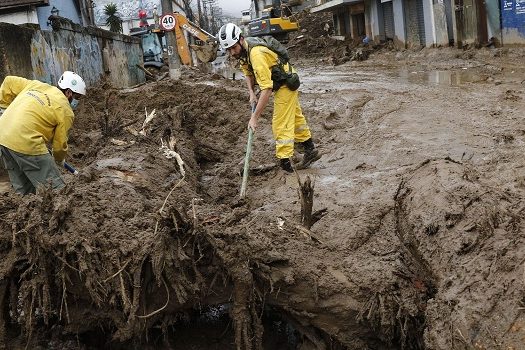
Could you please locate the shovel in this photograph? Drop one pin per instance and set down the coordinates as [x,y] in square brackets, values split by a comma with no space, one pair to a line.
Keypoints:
[70,168]
[247,160]
[67,166]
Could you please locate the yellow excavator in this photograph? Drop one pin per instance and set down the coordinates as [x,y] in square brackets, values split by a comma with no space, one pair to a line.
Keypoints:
[276,20]
[205,46]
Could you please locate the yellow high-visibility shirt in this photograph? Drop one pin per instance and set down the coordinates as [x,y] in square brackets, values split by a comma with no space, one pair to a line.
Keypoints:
[35,114]
[260,63]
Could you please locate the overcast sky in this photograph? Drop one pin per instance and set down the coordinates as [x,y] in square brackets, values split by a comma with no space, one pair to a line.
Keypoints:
[234,7]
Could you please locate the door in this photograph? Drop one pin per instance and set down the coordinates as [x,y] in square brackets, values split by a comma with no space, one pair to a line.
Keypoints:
[358,26]
[421,22]
[388,20]
[471,19]
[415,23]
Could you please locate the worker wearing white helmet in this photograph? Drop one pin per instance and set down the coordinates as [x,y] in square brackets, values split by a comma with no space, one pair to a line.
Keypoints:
[258,58]
[37,114]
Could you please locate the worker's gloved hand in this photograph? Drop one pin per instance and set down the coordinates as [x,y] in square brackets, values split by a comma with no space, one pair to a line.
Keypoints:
[60,164]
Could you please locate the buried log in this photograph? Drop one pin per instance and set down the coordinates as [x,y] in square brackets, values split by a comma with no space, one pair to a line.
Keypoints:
[148,73]
[306,195]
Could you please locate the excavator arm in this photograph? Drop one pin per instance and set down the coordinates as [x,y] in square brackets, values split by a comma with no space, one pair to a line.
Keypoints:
[206,52]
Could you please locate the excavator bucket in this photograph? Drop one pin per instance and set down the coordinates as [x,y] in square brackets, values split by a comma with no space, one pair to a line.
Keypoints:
[207,52]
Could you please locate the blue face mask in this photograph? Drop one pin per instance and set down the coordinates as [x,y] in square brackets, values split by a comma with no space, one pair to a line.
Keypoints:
[73,103]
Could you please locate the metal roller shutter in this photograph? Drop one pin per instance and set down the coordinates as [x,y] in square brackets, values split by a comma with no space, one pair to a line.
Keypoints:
[388,19]
[415,22]
[421,22]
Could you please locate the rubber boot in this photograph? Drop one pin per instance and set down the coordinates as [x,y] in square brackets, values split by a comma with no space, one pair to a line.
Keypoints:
[310,153]
[299,147]
[286,165]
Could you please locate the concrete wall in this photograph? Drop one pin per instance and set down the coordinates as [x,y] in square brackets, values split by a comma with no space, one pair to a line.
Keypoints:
[374,21]
[440,27]
[449,13]
[91,52]
[493,20]
[513,22]
[428,14]
[15,50]
[399,23]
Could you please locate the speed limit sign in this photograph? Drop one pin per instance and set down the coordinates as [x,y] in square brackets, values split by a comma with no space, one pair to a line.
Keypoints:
[167,22]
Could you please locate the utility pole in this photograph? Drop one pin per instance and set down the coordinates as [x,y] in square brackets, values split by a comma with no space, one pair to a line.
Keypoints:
[212,15]
[210,20]
[171,41]
[201,23]
[206,23]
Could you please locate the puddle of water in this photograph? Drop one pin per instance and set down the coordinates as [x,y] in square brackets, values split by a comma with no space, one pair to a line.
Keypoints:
[333,181]
[441,77]
[328,180]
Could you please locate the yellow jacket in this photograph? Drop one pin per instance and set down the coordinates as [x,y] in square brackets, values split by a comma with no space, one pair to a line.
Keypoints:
[36,114]
[259,63]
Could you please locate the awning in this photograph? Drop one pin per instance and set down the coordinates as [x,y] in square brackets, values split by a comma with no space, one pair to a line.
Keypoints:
[332,5]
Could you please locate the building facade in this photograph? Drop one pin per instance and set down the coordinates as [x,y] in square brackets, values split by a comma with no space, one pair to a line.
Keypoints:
[129,12]
[38,11]
[349,17]
[429,23]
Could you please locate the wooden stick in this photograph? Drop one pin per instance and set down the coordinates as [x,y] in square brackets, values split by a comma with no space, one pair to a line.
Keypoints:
[247,160]
[145,70]
[246,170]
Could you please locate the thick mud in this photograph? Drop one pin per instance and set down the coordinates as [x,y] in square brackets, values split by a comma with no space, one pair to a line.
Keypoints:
[418,243]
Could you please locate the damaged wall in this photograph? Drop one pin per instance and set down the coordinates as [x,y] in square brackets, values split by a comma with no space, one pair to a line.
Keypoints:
[15,50]
[91,52]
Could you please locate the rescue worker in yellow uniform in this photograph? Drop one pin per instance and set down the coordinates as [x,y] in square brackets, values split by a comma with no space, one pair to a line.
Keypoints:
[36,114]
[288,123]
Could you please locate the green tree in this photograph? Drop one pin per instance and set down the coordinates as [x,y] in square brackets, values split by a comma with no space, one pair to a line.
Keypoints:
[113,20]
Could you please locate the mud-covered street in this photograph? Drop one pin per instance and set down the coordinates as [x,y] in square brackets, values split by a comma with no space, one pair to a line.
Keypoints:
[418,241]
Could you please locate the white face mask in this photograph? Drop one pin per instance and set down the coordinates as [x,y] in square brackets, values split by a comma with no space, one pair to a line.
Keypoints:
[73,103]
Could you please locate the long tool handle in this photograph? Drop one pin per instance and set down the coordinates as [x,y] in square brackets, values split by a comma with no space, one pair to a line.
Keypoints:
[67,166]
[70,168]
[247,160]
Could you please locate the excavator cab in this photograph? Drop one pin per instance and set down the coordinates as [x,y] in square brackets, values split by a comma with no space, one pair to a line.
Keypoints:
[274,21]
[151,45]
[205,46]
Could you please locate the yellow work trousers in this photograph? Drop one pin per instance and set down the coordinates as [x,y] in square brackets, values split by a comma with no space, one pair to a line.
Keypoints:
[288,122]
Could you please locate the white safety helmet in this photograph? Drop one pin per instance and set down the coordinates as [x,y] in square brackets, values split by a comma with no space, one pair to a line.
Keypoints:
[229,35]
[73,81]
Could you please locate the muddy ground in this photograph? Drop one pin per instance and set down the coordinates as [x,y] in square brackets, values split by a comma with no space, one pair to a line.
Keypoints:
[419,242]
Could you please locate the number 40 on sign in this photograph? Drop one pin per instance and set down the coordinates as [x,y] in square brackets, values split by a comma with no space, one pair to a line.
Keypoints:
[167,22]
